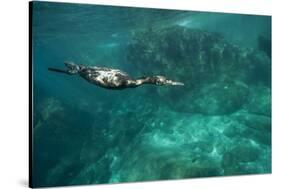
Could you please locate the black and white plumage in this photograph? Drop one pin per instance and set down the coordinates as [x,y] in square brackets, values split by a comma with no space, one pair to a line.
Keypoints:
[112,78]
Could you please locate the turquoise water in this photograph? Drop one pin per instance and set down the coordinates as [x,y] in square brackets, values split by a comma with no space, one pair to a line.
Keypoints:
[217,124]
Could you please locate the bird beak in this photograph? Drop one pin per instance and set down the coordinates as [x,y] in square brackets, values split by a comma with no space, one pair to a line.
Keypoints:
[170,82]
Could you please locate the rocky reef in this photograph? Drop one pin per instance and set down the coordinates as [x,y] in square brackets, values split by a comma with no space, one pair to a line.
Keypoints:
[218,124]
[216,73]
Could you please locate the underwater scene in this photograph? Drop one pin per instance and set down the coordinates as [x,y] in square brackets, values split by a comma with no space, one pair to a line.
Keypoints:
[204,111]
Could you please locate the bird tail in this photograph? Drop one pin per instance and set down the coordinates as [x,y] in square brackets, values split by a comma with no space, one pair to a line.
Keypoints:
[58,70]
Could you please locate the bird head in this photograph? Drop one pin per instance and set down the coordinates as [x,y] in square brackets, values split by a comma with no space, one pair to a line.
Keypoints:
[161,80]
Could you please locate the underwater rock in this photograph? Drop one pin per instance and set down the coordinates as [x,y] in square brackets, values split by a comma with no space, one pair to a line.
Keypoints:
[212,69]
[123,129]
[235,159]
[168,164]
[222,97]
[175,145]
[63,138]
[259,100]
[259,68]
[183,168]
[189,54]
[262,138]
[64,172]
[264,44]
[49,107]
[237,131]
[258,122]
[167,145]
[244,152]
[94,172]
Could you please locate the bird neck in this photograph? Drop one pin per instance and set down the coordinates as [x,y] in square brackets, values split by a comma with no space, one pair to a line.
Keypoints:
[145,80]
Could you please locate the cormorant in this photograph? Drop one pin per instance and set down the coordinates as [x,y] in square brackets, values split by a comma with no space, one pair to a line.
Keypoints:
[112,78]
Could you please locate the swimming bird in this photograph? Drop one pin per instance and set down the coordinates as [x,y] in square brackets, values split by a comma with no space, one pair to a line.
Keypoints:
[112,78]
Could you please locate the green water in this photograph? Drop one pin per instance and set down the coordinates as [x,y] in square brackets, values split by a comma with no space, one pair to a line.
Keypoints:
[217,124]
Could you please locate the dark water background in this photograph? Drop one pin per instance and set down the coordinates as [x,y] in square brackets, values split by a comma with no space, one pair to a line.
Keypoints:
[218,124]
